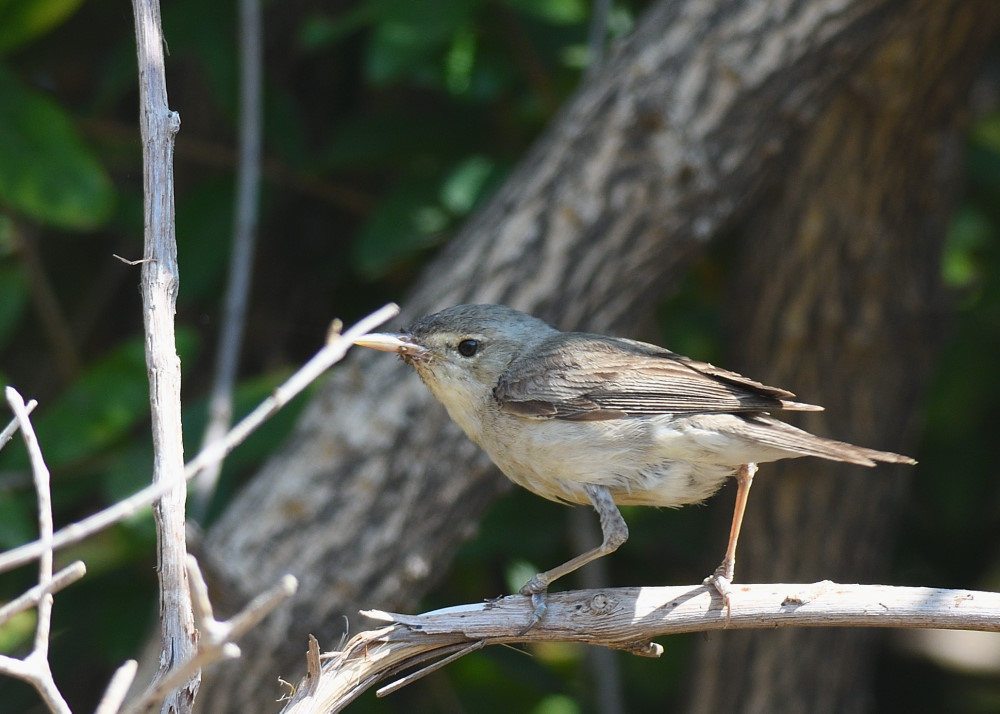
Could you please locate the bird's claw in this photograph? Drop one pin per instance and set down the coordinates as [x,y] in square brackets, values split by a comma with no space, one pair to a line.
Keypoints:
[536,589]
[539,607]
[721,580]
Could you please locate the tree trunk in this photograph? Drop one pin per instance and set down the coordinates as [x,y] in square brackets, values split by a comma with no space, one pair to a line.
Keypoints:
[839,294]
[696,123]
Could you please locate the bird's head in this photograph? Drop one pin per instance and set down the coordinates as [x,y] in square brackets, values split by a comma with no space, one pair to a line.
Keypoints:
[461,352]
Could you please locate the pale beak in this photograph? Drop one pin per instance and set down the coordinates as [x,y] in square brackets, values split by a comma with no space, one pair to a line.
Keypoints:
[400,344]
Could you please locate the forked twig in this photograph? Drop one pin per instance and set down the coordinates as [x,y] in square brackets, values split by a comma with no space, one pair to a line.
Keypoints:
[34,668]
[217,640]
[11,428]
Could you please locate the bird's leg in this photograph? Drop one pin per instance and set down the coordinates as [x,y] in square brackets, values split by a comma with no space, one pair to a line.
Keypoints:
[722,578]
[615,532]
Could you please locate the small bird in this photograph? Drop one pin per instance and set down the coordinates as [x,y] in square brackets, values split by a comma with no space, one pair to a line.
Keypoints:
[582,418]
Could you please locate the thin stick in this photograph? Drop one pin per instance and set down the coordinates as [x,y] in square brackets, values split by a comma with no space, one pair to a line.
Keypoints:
[40,474]
[329,355]
[217,638]
[35,667]
[424,671]
[117,689]
[31,597]
[220,403]
[11,428]
[158,285]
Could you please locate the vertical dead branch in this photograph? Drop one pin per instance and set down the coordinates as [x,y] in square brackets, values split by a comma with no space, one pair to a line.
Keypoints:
[160,279]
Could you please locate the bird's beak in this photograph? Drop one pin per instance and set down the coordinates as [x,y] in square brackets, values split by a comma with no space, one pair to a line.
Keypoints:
[401,344]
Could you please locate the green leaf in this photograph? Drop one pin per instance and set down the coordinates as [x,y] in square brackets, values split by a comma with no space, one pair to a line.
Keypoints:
[321,32]
[466,184]
[23,20]
[46,171]
[557,704]
[554,12]
[412,37]
[407,221]
[460,60]
[968,234]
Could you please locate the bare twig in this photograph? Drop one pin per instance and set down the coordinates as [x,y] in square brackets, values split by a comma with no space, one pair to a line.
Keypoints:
[140,261]
[160,278]
[11,428]
[456,651]
[332,353]
[628,619]
[117,689]
[329,355]
[217,640]
[35,667]
[220,403]
[31,597]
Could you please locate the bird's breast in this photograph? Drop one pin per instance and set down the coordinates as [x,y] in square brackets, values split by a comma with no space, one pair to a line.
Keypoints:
[640,460]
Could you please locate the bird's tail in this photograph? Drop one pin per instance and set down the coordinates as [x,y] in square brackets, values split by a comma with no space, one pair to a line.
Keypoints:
[778,434]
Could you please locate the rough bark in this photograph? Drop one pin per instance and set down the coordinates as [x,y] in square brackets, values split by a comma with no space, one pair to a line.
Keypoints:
[839,294]
[695,124]
[160,278]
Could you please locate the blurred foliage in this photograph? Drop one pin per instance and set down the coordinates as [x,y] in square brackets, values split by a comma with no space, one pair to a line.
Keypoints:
[46,172]
[387,122]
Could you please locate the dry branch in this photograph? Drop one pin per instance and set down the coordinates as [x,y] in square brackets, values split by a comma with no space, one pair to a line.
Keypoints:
[11,428]
[626,619]
[220,404]
[217,638]
[331,353]
[159,284]
[117,689]
[31,597]
[34,668]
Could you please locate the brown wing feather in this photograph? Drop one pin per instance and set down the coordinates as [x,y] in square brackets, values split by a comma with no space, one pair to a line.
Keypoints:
[592,377]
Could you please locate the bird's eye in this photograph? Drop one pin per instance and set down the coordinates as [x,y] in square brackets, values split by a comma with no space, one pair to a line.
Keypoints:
[468,348]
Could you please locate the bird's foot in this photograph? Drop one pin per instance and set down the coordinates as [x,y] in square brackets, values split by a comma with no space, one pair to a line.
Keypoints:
[721,580]
[536,589]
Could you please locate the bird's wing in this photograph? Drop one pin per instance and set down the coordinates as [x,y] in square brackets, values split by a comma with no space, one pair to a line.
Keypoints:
[590,377]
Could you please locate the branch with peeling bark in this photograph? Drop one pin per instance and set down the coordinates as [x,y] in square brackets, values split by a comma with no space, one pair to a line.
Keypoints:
[625,619]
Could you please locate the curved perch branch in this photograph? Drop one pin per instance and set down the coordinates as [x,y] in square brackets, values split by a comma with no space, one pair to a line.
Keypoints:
[625,619]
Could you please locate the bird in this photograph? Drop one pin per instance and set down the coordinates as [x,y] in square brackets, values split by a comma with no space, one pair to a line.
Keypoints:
[582,418]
